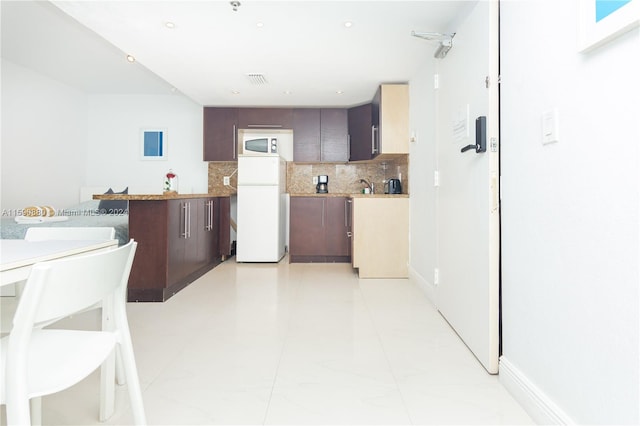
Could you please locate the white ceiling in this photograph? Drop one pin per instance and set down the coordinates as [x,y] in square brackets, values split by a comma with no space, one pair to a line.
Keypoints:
[303,49]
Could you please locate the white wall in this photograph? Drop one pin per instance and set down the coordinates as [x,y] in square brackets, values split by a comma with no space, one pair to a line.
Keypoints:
[44,127]
[115,122]
[422,163]
[570,216]
[56,139]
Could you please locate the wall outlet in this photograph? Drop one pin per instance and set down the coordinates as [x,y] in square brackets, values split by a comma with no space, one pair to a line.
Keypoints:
[315,180]
[226,180]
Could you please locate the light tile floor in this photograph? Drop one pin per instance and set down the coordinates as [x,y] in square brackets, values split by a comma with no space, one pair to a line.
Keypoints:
[296,344]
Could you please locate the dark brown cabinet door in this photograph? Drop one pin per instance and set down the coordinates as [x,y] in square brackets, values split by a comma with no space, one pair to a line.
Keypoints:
[206,241]
[375,121]
[360,132]
[177,243]
[220,130]
[337,219]
[265,118]
[319,230]
[177,240]
[223,225]
[334,134]
[193,219]
[148,225]
[306,134]
[306,228]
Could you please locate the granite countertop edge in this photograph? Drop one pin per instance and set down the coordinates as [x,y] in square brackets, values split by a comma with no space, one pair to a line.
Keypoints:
[151,197]
[139,197]
[357,195]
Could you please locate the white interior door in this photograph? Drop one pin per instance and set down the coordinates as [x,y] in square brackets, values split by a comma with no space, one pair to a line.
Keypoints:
[468,214]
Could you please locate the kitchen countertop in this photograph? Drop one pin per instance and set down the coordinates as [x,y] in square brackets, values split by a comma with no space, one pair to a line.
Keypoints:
[142,197]
[357,195]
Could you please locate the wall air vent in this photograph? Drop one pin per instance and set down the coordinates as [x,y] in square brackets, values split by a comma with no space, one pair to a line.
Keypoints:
[256,79]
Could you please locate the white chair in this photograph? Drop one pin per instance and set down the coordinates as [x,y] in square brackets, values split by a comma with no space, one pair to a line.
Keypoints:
[44,233]
[36,233]
[37,361]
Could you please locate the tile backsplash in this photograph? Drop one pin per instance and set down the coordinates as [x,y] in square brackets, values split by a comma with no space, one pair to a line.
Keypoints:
[344,178]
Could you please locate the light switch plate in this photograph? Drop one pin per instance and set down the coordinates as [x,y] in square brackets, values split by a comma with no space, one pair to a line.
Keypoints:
[550,126]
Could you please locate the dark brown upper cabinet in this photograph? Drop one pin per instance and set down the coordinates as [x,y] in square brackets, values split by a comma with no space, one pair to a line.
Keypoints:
[265,118]
[306,134]
[361,132]
[334,135]
[220,133]
[320,135]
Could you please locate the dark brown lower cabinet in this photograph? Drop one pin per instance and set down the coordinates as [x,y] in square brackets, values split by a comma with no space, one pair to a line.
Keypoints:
[224,227]
[319,229]
[177,243]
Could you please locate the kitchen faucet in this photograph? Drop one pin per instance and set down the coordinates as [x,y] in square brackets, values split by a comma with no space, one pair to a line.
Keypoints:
[369,185]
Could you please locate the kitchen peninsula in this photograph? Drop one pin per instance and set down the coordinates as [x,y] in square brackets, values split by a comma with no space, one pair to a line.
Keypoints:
[180,237]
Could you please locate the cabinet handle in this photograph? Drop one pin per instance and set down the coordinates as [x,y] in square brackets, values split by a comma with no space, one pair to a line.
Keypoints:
[374,145]
[234,140]
[210,227]
[188,220]
[206,215]
[183,234]
[349,234]
[266,126]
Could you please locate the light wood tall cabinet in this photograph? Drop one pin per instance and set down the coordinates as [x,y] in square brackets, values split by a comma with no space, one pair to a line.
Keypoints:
[380,240]
[382,126]
[391,114]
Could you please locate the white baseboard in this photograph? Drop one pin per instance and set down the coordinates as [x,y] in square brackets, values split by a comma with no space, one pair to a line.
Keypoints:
[426,286]
[535,402]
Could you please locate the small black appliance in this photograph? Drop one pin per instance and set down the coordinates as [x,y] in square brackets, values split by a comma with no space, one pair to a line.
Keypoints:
[323,184]
[393,186]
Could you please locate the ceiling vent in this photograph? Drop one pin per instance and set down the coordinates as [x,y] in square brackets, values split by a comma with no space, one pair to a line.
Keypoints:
[256,79]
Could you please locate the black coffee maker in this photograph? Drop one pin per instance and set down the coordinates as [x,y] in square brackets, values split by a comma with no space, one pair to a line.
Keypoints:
[323,184]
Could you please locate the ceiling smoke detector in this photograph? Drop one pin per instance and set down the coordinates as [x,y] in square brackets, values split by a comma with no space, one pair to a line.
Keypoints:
[235,5]
[256,79]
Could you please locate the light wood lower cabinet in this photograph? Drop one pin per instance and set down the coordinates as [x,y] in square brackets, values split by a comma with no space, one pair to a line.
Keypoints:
[380,241]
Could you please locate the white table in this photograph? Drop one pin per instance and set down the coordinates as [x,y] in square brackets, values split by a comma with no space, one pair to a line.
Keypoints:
[18,256]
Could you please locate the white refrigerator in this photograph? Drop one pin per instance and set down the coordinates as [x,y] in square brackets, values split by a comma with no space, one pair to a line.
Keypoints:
[261,208]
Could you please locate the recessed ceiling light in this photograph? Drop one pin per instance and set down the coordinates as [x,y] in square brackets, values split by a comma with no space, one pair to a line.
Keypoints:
[348,24]
[259,24]
[287,92]
[339,92]
[169,25]
[131,59]
[235,92]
